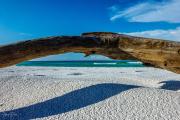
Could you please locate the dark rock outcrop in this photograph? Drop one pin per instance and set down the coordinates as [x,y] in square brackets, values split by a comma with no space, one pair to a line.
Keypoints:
[155,52]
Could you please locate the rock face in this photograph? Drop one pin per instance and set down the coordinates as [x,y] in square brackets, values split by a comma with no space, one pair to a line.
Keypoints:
[155,52]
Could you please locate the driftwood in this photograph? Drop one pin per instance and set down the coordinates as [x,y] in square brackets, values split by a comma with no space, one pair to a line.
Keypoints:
[155,52]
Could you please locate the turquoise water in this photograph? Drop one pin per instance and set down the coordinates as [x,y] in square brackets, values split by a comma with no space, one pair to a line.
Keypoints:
[122,63]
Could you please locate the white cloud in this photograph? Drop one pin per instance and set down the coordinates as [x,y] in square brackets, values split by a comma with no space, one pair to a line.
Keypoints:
[172,34]
[151,12]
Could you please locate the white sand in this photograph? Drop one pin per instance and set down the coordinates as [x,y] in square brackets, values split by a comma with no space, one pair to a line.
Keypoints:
[89,93]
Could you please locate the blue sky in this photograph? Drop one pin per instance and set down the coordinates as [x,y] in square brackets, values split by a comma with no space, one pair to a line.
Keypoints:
[28,19]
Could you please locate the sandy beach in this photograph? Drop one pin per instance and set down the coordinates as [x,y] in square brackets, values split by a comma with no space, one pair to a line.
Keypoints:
[142,93]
